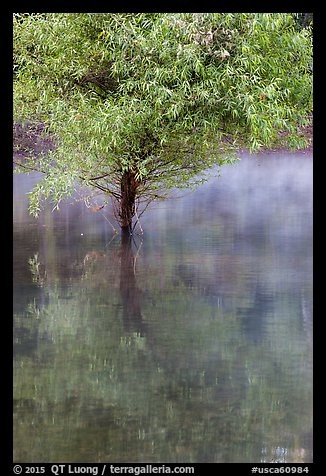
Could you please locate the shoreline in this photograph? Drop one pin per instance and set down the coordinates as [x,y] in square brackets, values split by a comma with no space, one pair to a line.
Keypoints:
[33,141]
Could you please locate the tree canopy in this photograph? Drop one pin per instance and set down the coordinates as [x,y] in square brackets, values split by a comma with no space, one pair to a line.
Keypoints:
[141,103]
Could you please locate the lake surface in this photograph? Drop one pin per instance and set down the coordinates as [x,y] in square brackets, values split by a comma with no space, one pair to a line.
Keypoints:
[192,343]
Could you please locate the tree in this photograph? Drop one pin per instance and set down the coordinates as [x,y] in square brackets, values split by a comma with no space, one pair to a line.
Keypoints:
[303,20]
[140,104]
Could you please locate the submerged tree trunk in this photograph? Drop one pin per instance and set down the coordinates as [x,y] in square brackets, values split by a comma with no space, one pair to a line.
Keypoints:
[127,203]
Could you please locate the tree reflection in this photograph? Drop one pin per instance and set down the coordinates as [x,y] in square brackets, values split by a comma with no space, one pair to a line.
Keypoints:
[129,291]
[255,315]
[129,359]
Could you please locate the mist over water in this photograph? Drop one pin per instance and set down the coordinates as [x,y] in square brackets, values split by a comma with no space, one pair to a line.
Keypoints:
[191,343]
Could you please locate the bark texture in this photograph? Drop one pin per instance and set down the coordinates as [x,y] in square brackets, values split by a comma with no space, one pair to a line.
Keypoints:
[129,186]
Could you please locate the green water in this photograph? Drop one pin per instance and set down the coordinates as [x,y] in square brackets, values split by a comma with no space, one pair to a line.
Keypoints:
[192,343]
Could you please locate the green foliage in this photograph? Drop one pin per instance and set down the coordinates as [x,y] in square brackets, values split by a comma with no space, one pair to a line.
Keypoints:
[303,20]
[154,94]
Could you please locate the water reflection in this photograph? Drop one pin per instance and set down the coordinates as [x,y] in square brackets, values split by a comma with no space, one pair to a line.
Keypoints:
[129,291]
[192,344]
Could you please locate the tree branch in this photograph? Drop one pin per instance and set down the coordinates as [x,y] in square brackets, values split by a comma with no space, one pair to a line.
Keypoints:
[29,168]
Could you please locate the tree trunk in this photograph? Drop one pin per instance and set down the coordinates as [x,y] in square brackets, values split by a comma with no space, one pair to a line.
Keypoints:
[127,203]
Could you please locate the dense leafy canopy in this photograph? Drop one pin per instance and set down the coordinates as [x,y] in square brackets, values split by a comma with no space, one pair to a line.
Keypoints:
[142,103]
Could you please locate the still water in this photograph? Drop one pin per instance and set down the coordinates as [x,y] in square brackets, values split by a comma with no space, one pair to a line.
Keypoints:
[191,344]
